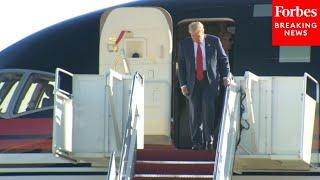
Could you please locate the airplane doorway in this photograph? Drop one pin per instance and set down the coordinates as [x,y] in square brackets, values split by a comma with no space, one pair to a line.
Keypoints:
[224,28]
[140,43]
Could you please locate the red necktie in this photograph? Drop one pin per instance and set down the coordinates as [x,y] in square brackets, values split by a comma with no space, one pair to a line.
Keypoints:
[199,63]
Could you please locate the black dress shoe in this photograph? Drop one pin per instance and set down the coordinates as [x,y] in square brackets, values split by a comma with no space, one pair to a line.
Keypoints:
[197,147]
[214,146]
[209,146]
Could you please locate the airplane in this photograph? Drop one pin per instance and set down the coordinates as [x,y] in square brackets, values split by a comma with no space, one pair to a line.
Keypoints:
[85,45]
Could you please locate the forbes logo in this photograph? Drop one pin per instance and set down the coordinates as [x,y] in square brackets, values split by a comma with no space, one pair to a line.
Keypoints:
[296,12]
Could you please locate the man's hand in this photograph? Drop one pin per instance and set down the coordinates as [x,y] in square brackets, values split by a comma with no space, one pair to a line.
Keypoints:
[226,82]
[185,90]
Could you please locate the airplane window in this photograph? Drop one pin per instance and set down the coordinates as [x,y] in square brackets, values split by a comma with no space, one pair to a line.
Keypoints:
[8,84]
[38,94]
[5,102]
[27,98]
[294,54]
[1,85]
[262,10]
[47,96]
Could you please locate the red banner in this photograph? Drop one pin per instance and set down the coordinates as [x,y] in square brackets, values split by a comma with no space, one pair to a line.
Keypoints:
[296,23]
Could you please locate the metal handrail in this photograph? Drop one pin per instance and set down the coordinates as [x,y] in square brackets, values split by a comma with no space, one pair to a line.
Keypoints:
[129,142]
[227,141]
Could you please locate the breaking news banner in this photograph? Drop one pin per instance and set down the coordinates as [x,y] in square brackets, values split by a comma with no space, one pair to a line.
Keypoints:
[296,22]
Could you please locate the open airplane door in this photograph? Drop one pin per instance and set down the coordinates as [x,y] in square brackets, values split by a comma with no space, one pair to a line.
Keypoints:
[139,39]
[79,128]
[88,118]
[278,122]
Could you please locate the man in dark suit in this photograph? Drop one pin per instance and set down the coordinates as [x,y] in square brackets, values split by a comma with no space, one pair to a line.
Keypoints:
[202,61]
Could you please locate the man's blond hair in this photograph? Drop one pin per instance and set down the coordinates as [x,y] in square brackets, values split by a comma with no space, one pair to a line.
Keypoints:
[195,26]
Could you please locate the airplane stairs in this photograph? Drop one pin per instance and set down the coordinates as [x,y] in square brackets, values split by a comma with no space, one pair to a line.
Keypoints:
[168,162]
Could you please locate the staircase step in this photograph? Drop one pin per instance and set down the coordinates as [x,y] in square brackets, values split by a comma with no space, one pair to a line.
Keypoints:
[167,162]
[170,176]
[174,155]
[171,168]
[177,162]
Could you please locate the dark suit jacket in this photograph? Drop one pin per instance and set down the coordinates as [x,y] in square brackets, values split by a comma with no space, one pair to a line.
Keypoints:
[216,59]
